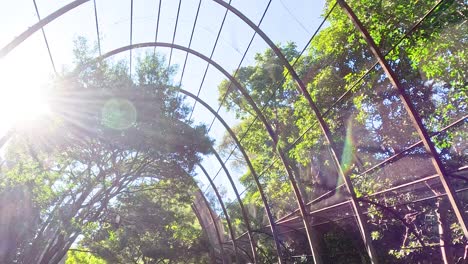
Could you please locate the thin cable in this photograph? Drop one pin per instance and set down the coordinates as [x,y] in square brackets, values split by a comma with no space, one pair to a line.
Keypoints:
[284,78]
[97,27]
[211,56]
[174,35]
[229,87]
[240,64]
[294,17]
[157,27]
[131,35]
[190,43]
[45,39]
[409,32]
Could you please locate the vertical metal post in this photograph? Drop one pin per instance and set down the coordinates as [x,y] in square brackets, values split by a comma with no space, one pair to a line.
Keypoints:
[414,116]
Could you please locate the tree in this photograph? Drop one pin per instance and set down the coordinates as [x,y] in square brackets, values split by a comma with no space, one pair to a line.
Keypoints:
[369,123]
[109,135]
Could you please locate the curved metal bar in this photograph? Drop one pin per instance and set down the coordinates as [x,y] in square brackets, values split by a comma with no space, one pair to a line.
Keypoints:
[4,51]
[213,219]
[260,115]
[325,131]
[204,228]
[39,25]
[245,216]
[414,116]
[31,30]
[228,219]
[252,104]
[247,159]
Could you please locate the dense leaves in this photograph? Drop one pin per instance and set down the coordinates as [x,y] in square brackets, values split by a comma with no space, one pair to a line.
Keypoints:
[102,171]
[369,124]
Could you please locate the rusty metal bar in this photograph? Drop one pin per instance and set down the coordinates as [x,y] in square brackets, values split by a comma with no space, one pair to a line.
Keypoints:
[245,215]
[414,116]
[407,34]
[249,100]
[97,27]
[380,164]
[325,131]
[39,25]
[283,220]
[213,219]
[403,204]
[228,219]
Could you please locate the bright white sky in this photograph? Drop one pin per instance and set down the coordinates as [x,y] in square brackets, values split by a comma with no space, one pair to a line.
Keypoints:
[26,70]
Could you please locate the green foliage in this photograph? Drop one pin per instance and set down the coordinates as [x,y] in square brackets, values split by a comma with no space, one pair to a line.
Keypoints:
[370,123]
[83,257]
[113,146]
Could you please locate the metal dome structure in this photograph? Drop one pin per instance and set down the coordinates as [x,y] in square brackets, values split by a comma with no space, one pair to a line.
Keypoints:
[418,170]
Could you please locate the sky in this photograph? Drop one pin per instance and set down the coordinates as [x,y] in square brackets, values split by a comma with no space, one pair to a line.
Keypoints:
[28,68]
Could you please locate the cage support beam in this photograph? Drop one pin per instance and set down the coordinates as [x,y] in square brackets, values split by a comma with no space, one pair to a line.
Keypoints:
[226,215]
[245,215]
[260,115]
[328,137]
[414,116]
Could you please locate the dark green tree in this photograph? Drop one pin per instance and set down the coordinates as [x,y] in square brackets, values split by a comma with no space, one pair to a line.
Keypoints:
[369,124]
[108,137]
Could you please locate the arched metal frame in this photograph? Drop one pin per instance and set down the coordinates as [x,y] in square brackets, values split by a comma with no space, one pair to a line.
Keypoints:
[223,207]
[328,137]
[425,138]
[414,116]
[212,217]
[245,215]
[245,94]
[299,198]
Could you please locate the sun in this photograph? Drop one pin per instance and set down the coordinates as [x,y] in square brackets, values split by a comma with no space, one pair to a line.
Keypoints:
[23,97]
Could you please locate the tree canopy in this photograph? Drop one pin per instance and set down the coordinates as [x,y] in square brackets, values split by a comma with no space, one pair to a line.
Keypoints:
[107,176]
[109,172]
[368,123]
